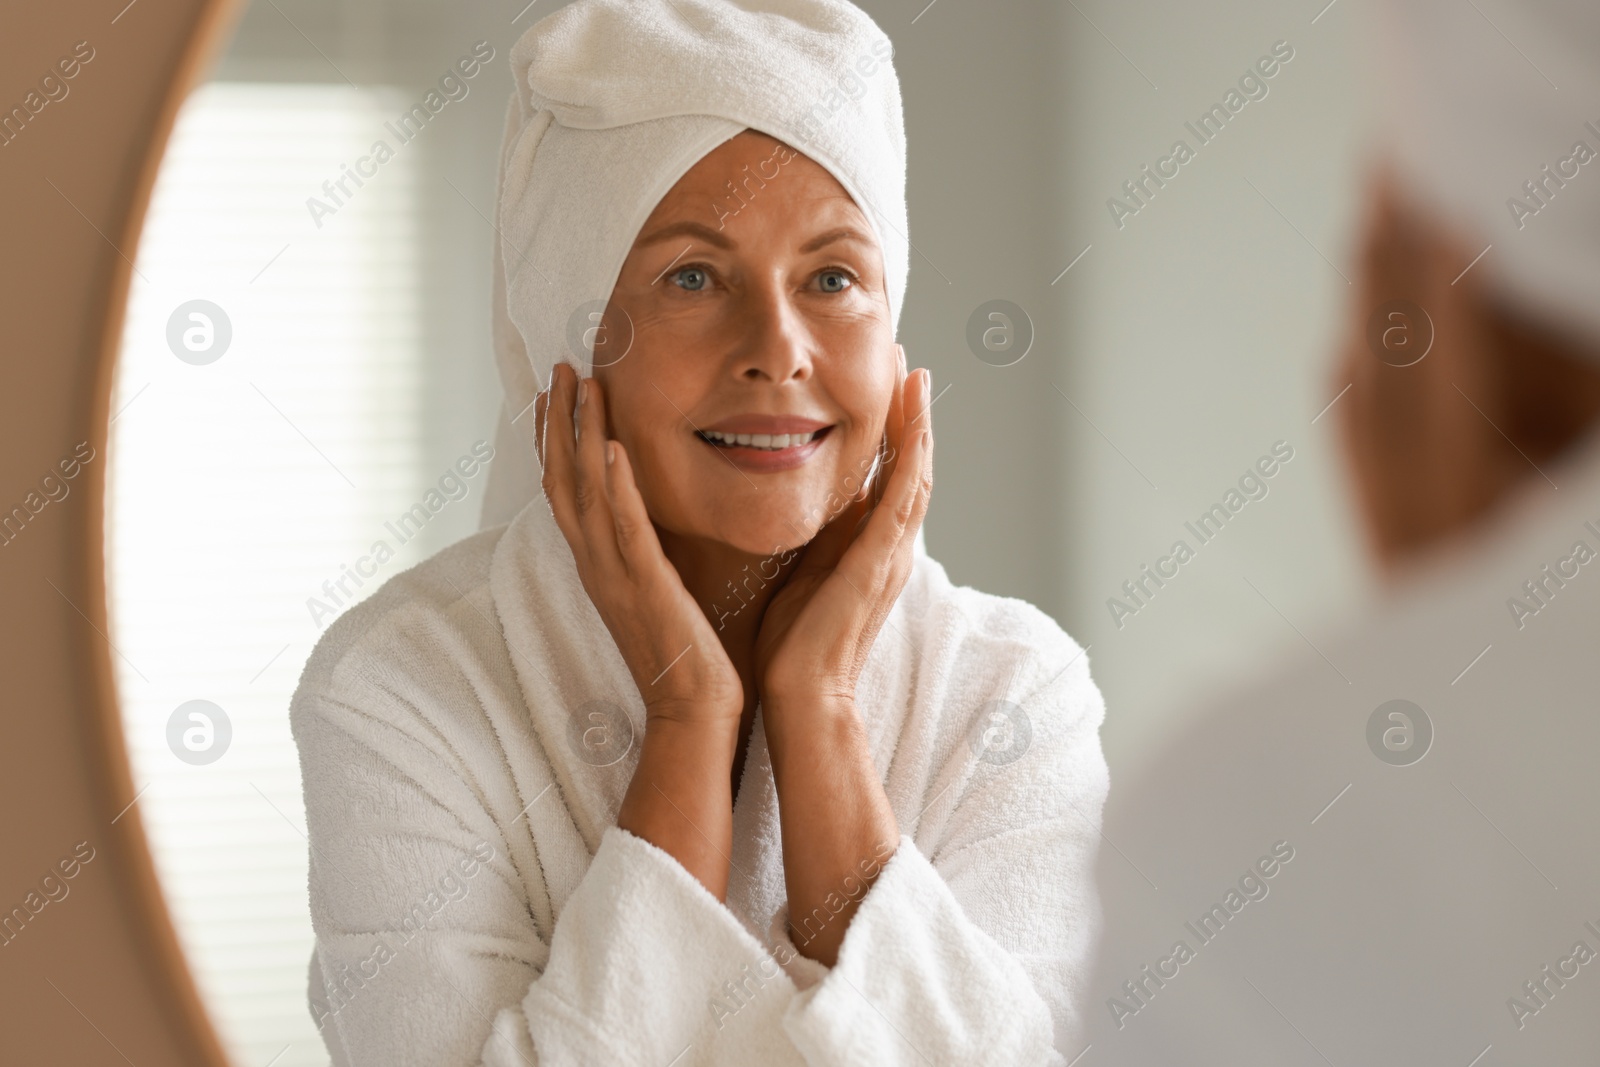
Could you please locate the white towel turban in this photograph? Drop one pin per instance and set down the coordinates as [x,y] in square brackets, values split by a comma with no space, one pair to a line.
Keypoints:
[614,101]
[1472,113]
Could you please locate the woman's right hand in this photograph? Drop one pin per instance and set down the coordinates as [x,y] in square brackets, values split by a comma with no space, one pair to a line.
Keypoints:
[676,660]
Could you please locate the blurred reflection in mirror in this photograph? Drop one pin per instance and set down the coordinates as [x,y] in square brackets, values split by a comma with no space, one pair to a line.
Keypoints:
[1384,850]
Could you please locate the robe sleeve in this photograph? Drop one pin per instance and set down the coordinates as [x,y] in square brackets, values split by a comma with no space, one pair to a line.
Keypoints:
[974,946]
[427,950]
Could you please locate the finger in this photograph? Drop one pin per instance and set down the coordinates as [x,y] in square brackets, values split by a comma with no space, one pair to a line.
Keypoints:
[893,428]
[540,403]
[559,448]
[892,527]
[918,401]
[636,537]
[922,432]
[914,407]
[590,499]
[909,409]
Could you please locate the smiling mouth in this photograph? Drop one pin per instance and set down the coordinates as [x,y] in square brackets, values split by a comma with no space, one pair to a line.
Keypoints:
[761,442]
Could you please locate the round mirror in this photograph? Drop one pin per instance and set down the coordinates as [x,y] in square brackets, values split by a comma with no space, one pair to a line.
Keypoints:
[304,361]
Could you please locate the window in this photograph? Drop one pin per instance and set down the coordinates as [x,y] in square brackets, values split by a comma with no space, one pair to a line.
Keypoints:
[240,483]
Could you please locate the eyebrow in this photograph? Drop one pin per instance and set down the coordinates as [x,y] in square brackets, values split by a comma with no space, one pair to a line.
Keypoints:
[689,228]
[843,233]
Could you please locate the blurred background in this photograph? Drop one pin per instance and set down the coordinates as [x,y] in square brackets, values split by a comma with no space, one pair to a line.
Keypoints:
[333,361]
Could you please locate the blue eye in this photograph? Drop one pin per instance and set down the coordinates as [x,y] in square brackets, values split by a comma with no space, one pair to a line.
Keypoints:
[841,278]
[690,278]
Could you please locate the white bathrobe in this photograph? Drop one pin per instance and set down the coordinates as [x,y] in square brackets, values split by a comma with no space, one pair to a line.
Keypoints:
[475,902]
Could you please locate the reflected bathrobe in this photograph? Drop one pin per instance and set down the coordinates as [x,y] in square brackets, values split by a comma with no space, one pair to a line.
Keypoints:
[474,901]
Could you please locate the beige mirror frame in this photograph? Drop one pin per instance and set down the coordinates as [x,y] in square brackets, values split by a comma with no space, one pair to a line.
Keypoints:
[91,971]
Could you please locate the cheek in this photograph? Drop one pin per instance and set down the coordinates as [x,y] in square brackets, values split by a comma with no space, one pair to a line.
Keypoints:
[865,388]
[651,441]
[657,437]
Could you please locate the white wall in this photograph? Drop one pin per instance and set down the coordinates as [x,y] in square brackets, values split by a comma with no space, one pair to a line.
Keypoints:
[1201,332]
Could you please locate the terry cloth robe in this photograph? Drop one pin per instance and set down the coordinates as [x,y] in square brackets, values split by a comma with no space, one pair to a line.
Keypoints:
[474,901]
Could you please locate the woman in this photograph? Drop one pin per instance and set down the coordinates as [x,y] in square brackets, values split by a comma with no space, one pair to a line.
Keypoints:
[700,758]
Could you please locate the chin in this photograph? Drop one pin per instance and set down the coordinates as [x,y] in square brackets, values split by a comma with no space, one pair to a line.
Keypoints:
[772,527]
[769,535]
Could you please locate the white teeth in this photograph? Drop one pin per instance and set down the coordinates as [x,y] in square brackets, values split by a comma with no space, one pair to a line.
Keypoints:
[764,441]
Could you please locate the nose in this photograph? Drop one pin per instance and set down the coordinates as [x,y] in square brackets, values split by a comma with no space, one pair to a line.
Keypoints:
[775,344]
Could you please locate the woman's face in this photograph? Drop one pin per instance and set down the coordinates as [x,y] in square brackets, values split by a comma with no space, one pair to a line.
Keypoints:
[758,310]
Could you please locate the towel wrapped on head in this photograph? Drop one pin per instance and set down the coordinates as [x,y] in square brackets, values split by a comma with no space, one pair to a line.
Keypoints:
[614,101]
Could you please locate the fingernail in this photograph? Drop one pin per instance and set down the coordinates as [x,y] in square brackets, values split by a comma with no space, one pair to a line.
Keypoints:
[927,438]
[611,452]
[583,387]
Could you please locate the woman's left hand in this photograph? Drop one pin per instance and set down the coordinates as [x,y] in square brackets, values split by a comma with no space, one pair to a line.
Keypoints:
[819,627]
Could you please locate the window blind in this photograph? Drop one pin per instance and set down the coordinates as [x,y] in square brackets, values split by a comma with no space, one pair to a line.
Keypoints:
[239,483]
